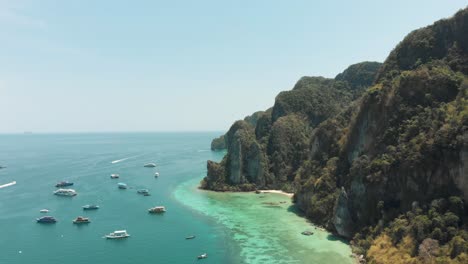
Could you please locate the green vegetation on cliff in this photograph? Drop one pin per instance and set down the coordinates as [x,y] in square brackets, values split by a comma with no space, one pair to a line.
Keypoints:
[266,149]
[378,154]
[218,143]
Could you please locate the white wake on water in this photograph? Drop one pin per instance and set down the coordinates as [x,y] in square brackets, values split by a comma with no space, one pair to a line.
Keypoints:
[119,160]
[8,184]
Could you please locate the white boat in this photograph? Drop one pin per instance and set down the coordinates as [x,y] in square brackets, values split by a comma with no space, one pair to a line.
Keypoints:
[81,220]
[65,192]
[150,165]
[117,234]
[90,207]
[157,209]
[44,211]
[156,174]
[203,256]
[114,176]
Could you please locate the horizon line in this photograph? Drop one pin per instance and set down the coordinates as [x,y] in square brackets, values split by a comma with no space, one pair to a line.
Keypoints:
[109,132]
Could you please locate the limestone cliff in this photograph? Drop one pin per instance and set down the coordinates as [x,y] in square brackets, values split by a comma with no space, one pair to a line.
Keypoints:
[266,149]
[379,153]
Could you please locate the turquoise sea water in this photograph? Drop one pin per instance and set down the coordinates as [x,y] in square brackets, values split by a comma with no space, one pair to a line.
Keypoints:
[224,230]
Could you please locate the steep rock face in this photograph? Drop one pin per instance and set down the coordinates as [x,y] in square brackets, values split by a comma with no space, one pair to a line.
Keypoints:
[410,158]
[381,163]
[342,216]
[267,148]
[459,172]
[236,159]
[218,143]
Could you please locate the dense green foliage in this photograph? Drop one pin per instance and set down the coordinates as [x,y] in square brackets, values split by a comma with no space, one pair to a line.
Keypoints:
[380,153]
[218,143]
[359,76]
[268,148]
[433,233]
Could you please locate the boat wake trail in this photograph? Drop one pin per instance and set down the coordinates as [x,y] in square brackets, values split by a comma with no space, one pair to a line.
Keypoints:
[8,184]
[119,160]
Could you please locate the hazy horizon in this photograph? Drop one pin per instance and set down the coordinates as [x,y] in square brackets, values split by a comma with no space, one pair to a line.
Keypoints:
[183,66]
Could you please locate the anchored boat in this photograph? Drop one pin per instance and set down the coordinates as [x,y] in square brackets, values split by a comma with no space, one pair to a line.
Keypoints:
[81,220]
[64,184]
[65,192]
[117,234]
[46,220]
[90,207]
[157,210]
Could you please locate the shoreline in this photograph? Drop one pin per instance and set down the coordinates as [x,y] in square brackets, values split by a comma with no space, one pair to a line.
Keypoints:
[258,218]
[290,195]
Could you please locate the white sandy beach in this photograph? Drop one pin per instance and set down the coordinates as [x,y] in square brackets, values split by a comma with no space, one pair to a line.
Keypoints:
[277,191]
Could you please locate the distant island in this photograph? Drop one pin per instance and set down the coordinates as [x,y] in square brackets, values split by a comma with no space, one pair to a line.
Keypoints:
[378,155]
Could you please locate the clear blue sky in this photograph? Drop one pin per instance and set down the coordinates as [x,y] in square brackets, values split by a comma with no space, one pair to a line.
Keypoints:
[85,66]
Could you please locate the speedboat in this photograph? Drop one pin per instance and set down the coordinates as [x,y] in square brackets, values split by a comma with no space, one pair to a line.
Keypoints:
[81,220]
[117,234]
[65,192]
[43,211]
[46,220]
[203,256]
[150,165]
[190,237]
[122,185]
[143,191]
[156,174]
[114,176]
[90,207]
[64,184]
[157,210]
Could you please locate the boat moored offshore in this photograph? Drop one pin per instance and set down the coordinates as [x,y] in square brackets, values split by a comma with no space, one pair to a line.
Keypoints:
[81,220]
[157,210]
[143,191]
[90,207]
[114,176]
[117,234]
[122,185]
[46,220]
[65,192]
[150,165]
[64,184]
